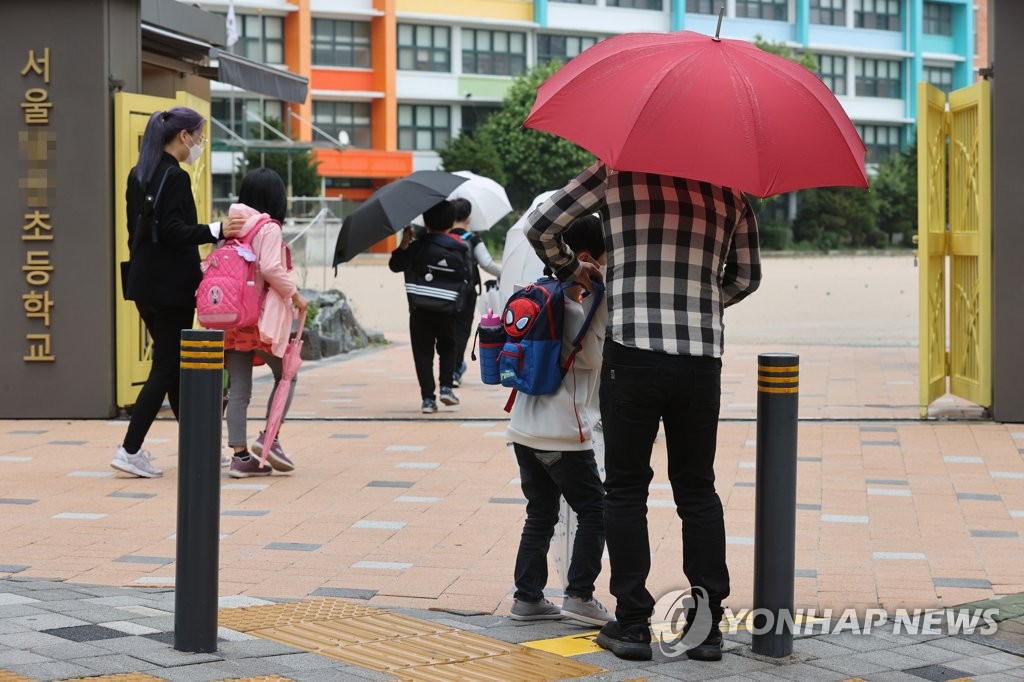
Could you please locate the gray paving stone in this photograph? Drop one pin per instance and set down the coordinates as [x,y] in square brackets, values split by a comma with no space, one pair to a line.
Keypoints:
[993,663]
[133,559]
[12,611]
[305,661]
[53,670]
[132,495]
[164,655]
[876,641]
[94,614]
[980,497]
[936,672]
[48,621]
[852,664]
[899,658]
[886,481]
[69,651]
[198,672]
[996,642]
[112,664]
[18,501]
[390,484]
[253,648]
[293,546]
[9,628]
[29,640]
[352,436]
[994,534]
[894,676]
[929,653]
[11,657]
[86,633]
[341,673]
[1012,676]
[818,647]
[962,646]
[799,672]
[508,500]
[684,669]
[245,512]
[963,582]
[132,645]
[807,506]
[159,623]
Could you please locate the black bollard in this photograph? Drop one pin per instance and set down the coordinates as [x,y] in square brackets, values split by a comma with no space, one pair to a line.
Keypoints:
[775,506]
[199,431]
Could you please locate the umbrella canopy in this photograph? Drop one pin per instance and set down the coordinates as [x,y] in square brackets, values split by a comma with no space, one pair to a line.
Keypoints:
[688,105]
[490,202]
[390,209]
[290,364]
[519,262]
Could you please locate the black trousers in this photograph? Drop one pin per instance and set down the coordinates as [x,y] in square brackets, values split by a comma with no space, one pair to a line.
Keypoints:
[465,320]
[639,388]
[164,324]
[547,476]
[429,330]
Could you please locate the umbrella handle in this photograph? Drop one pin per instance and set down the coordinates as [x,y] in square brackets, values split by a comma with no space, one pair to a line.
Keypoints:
[721,15]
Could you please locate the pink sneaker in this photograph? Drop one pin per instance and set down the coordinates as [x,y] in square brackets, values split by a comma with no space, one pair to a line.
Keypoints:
[246,465]
[276,456]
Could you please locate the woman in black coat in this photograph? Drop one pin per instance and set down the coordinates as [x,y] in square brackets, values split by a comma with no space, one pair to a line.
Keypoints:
[163,271]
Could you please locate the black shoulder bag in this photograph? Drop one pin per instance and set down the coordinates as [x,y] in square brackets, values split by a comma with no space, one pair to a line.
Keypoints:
[147,220]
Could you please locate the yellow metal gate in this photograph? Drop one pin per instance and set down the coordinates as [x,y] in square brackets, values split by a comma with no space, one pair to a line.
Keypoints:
[955,153]
[131,113]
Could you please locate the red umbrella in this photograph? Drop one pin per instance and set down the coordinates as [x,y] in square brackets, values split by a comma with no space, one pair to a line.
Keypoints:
[275,414]
[689,105]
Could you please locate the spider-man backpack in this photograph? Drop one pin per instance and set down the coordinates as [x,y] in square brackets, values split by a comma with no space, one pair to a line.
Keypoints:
[530,360]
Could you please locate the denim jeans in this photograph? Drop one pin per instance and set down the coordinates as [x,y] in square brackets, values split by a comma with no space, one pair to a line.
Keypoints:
[639,388]
[546,476]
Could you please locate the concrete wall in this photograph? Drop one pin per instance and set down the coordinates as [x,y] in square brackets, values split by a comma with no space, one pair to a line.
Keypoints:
[68,179]
[1007,54]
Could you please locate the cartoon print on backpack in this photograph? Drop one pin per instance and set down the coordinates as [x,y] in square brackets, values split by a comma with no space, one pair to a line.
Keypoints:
[520,316]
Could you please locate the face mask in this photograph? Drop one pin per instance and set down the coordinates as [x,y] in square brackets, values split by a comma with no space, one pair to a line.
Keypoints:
[194,152]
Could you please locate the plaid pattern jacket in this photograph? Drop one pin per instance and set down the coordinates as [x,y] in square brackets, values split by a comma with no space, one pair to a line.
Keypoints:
[679,252]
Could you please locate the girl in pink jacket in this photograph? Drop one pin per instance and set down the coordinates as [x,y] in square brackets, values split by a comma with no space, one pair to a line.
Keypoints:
[261,195]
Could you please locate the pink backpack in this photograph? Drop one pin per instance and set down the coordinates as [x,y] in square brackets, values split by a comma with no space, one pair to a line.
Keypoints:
[228,297]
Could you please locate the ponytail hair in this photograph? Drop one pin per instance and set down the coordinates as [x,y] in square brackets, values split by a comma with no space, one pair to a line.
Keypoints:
[162,126]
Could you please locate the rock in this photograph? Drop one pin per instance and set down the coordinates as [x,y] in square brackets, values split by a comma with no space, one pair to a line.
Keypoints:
[335,329]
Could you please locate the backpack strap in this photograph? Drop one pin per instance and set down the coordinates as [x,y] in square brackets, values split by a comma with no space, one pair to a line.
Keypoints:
[155,236]
[577,342]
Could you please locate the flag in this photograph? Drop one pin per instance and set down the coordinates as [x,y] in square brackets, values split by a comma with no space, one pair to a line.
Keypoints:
[232,26]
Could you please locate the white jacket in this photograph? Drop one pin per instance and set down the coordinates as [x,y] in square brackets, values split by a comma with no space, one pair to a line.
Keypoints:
[549,422]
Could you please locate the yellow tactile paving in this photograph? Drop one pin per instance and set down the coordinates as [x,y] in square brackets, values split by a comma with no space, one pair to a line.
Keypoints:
[410,648]
[251,618]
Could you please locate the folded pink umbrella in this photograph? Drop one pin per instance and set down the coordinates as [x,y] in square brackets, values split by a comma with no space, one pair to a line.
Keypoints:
[290,364]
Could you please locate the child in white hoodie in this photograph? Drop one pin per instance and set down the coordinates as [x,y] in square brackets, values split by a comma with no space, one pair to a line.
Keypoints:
[262,195]
[552,437]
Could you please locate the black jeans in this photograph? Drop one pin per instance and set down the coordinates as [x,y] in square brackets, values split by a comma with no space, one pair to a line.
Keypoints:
[164,324]
[545,477]
[639,388]
[464,321]
[427,330]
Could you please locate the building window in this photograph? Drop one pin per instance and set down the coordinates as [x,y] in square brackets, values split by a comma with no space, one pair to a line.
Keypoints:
[562,48]
[352,117]
[762,9]
[578,2]
[832,70]
[423,126]
[236,118]
[704,6]
[496,53]
[878,78]
[828,12]
[260,38]
[475,114]
[940,76]
[424,48]
[938,19]
[636,4]
[881,141]
[881,14]
[341,43]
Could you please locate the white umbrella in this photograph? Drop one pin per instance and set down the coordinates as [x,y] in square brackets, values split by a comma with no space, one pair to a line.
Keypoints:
[519,263]
[490,202]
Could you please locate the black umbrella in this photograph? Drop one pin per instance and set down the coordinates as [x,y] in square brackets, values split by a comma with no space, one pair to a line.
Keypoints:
[390,209]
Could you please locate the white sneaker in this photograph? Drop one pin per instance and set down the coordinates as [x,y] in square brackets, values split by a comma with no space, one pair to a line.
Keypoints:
[136,465]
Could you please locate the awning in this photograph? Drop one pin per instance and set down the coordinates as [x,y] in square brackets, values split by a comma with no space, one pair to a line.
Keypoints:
[256,77]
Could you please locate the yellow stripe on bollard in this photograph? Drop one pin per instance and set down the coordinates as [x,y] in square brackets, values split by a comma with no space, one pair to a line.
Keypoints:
[202,365]
[192,343]
[778,379]
[202,354]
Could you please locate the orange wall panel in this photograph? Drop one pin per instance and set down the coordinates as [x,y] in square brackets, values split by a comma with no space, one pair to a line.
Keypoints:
[363,163]
[384,44]
[298,27]
[342,79]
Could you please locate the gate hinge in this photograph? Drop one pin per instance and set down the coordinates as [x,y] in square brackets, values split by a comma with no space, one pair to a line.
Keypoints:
[947,122]
[948,373]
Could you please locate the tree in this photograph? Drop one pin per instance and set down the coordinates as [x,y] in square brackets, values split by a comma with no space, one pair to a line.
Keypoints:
[783,50]
[305,177]
[895,190]
[533,161]
[475,153]
[829,217]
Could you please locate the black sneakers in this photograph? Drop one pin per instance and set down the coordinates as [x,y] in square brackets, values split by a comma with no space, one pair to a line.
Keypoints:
[710,649]
[631,642]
